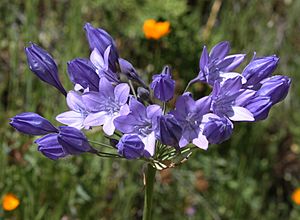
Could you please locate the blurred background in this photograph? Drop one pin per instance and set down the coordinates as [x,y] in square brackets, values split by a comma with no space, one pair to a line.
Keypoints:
[251,176]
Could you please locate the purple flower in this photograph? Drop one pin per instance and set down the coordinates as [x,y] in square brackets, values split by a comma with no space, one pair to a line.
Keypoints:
[217,129]
[168,130]
[74,118]
[101,62]
[49,146]
[189,114]
[275,87]
[32,123]
[106,105]
[163,85]
[82,72]
[100,39]
[259,106]
[259,69]
[224,100]
[128,70]
[131,146]
[218,65]
[43,66]
[141,121]
[73,141]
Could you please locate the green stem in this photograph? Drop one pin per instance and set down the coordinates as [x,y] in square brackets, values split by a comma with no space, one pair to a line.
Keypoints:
[101,144]
[132,88]
[150,179]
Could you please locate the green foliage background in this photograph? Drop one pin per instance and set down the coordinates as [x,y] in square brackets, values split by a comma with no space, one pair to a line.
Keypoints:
[249,177]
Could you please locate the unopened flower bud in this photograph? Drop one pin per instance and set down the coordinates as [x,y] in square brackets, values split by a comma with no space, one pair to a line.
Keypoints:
[32,123]
[82,72]
[50,147]
[73,141]
[259,69]
[43,66]
[163,85]
[131,146]
[275,87]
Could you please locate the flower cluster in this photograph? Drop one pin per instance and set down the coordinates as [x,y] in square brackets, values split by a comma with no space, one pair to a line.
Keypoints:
[135,117]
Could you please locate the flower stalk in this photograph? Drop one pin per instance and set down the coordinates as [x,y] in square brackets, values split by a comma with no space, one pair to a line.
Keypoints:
[149,185]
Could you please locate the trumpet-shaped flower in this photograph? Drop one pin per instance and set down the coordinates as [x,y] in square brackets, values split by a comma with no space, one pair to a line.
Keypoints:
[224,100]
[100,39]
[77,114]
[217,66]
[101,62]
[141,121]
[106,105]
[189,114]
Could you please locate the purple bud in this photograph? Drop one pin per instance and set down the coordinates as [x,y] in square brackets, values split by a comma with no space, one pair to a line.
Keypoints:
[259,107]
[276,87]
[163,85]
[218,129]
[131,146]
[82,72]
[73,141]
[143,94]
[43,65]
[100,39]
[168,130]
[259,69]
[32,123]
[50,147]
[128,70]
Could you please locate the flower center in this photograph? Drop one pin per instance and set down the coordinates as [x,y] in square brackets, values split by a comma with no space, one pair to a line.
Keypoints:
[144,129]
[111,107]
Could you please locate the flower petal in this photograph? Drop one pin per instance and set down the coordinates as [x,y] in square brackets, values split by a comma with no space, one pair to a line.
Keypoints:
[97,59]
[201,141]
[121,93]
[105,88]
[71,118]
[241,114]
[109,127]
[149,142]
[74,101]
[95,119]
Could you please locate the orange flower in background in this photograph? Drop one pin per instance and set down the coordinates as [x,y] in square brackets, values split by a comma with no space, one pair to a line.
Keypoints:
[156,29]
[10,202]
[296,196]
